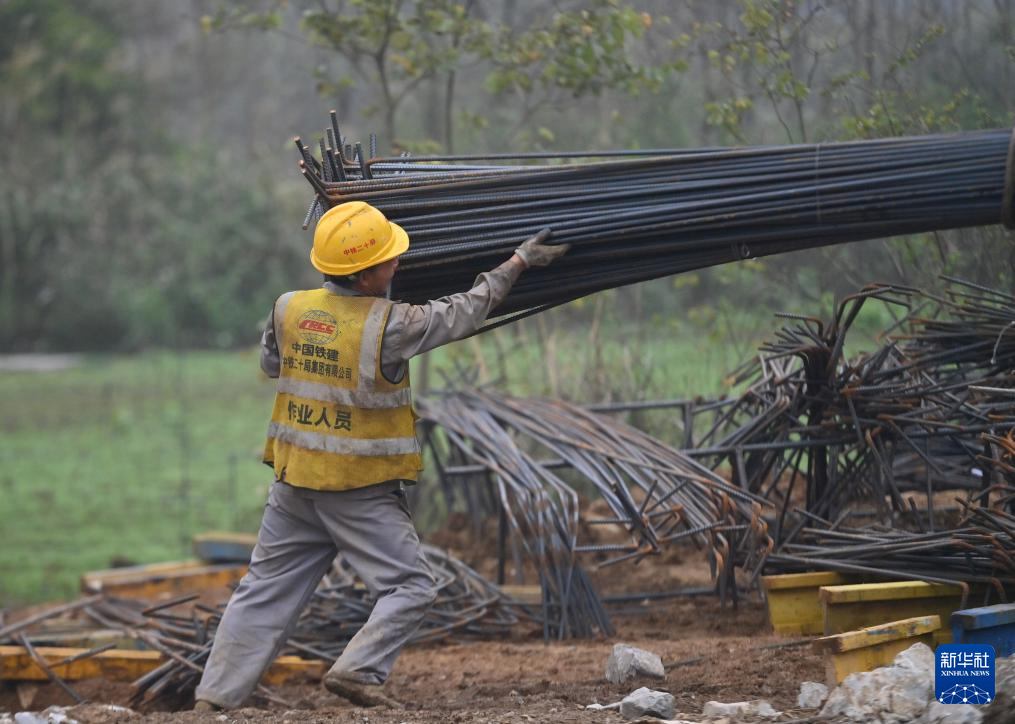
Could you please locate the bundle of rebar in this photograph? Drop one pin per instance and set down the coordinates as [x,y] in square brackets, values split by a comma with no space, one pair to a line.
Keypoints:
[637,215]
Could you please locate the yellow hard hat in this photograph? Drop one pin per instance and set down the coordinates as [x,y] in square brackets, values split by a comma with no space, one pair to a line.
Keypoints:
[353,236]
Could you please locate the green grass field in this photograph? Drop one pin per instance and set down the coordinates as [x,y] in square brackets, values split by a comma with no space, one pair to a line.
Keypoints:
[125,458]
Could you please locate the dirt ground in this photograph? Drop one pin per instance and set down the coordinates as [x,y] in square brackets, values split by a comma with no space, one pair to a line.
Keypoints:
[722,657]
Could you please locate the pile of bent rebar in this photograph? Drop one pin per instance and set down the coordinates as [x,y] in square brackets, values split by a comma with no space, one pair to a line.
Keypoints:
[822,461]
[638,215]
[538,458]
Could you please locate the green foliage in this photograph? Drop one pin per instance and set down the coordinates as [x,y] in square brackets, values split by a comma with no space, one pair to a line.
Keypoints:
[112,235]
[581,51]
[395,46]
[391,45]
[57,69]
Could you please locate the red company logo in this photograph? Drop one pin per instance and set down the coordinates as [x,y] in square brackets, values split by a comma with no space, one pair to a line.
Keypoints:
[312,325]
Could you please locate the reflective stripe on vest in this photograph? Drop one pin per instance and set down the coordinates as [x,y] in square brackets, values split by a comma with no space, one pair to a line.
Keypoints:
[337,423]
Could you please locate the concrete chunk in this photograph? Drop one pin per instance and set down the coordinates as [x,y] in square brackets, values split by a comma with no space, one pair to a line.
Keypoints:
[627,662]
[648,702]
[759,708]
[812,695]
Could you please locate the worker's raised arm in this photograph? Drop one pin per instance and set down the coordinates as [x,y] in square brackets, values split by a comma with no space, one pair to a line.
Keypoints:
[416,328]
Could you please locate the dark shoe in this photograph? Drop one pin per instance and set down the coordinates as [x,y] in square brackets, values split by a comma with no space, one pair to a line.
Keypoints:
[206,706]
[360,694]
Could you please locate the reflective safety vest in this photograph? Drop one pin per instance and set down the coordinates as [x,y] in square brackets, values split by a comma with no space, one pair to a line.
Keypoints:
[338,423]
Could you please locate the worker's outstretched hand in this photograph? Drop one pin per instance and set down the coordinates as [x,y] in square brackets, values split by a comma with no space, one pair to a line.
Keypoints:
[535,253]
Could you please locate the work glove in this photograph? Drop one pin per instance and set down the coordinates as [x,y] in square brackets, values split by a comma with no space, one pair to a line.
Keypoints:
[535,253]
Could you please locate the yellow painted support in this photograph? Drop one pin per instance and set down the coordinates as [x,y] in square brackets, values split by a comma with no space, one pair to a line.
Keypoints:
[127,665]
[150,581]
[868,648]
[855,606]
[793,604]
[113,665]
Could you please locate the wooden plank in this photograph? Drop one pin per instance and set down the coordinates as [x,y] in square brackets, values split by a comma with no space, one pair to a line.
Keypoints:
[869,648]
[83,638]
[1001,614]
[794,608]
[114,665]
[224,547]
[113,575]
[991,625]
[803,580]
[128,665]
[158,579]
[890,591]
[872,635]
[839,666]
[855,606]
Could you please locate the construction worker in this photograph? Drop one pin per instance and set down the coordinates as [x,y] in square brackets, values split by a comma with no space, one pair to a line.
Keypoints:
[342,443]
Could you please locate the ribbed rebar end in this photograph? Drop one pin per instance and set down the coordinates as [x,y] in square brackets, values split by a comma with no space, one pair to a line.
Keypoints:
[1008,197]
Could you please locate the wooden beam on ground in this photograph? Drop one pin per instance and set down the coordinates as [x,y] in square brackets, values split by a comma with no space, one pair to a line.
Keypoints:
[112,665]
[868,648]
[794,608]
[855,606]
[151,581]
[127,665]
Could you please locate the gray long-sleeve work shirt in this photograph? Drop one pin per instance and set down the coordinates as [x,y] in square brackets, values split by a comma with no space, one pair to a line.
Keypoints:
[416,328]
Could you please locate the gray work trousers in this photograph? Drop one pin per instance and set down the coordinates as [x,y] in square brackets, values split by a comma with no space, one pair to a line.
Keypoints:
[301,532]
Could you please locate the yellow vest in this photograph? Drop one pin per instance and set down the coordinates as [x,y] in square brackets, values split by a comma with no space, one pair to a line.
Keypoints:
[338,423]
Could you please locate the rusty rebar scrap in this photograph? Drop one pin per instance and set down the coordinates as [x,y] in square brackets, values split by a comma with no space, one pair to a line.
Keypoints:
[50,674]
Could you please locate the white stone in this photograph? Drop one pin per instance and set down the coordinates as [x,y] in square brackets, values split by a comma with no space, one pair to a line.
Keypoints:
[918,658]
[852,697]
[627,662]
[938,713]
[812,695]
[648,702]
[52,715]
[716,709]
